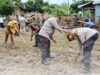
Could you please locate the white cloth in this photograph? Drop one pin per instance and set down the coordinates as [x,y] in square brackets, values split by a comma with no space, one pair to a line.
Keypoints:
[22,21]
[1,20]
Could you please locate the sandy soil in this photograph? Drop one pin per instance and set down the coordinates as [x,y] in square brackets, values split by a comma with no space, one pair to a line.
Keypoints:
[23,59]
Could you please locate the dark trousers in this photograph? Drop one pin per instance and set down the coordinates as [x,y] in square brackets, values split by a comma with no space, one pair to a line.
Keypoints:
[44,45]
[1,25]
[87,48]
[36,40]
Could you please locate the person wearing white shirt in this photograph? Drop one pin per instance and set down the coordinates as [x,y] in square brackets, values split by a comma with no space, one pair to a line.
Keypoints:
[22,21]
[46,34]
[86,38]
[1,22]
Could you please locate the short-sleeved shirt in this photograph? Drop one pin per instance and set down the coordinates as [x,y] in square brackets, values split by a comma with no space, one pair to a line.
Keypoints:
[85,33]
[89,24]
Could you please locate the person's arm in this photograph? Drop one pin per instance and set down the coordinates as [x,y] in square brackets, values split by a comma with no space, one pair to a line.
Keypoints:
[57,27]
[81,21]
[51,37]
[78,49]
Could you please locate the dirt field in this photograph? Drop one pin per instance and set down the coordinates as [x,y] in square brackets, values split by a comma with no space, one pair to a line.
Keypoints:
[23,59]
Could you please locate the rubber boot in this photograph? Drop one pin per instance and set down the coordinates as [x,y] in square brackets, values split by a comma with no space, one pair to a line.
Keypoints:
[44,61]
[49,56]
[86,69]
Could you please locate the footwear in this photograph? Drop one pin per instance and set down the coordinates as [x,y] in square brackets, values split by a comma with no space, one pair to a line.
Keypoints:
[85,70]
[49,56]
[45,62]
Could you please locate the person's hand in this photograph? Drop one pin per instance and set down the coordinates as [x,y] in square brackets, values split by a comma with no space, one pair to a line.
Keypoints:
[66,31]
[81,21]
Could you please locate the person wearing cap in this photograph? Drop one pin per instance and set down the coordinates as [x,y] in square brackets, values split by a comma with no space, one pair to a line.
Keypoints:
[86,38]
[46,34]
[11,29]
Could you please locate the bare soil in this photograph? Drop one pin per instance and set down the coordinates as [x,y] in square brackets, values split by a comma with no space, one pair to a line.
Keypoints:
[23,59]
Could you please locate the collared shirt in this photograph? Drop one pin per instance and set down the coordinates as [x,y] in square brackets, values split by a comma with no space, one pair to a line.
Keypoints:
[49,27]
[85,33]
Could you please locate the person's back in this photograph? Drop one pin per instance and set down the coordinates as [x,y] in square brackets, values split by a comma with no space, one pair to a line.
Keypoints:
[12,26]
[49,27]
[89,24]
[85,33]
[23,21]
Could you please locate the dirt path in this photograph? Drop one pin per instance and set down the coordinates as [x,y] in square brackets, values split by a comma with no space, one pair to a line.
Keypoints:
[23,59]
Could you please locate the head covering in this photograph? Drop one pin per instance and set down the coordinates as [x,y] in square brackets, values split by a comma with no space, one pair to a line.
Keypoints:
[14,22]
[13,25]
[73,31]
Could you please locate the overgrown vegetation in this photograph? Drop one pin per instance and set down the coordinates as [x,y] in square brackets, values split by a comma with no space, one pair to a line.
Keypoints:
[7,7]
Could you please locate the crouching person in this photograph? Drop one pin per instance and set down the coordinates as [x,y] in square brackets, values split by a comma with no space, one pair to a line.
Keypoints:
[11,29]
[46,34]
[86,37]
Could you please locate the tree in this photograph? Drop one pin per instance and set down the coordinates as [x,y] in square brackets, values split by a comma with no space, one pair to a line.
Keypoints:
[65,9]
[35,5]
[6,7]
[30,6]
[38,5]
[45,8]
[75,5]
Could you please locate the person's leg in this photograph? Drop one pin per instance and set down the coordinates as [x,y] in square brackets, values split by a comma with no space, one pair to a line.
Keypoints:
[43,45]
[2,25]
[12,38]
[91,42]
[6,36]
[36,40]
[21,29]
[48,51]
[87,48]
[24,29]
